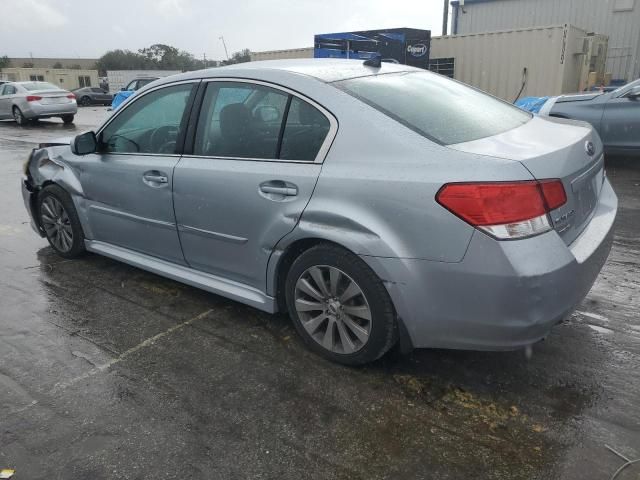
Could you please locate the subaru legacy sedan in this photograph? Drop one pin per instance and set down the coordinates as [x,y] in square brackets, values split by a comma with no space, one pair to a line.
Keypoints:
[375,203]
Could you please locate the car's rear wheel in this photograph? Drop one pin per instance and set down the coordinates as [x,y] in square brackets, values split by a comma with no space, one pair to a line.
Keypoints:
[67,119]
[60,222]
[339,306]
[85,101]
[18,116]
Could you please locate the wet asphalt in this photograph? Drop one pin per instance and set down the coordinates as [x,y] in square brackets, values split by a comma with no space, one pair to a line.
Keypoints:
[109,372]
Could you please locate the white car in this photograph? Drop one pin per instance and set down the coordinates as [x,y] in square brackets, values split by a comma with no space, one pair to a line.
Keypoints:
[25,101]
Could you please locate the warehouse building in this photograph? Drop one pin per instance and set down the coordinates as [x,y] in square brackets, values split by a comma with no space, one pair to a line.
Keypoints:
[282,54]
[40,62]
[69,79]
[619,20]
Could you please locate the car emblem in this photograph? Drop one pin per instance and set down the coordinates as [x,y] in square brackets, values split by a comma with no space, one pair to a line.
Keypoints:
[590,148]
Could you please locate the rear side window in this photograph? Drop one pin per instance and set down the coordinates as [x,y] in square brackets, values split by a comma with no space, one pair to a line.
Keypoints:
[436,107]
[244,120]
[304,132]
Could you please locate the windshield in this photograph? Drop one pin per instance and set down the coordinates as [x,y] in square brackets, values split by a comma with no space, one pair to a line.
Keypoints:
[436,107]
[39,86]
[628,85]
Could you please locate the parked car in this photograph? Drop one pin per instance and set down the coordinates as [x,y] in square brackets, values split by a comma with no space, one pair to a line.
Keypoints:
[615,115]
[138,83]
[130,89]
[25,101]
[374,203]
[92,96]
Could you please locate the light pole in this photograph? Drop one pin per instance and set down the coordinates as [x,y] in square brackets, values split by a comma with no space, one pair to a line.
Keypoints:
[225,47]
[445,18]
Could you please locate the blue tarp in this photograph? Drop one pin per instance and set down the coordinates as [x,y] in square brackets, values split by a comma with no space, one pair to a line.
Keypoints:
[531,104]
[121,97]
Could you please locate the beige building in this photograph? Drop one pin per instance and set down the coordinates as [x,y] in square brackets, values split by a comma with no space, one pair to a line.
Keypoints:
[69,63]
[282,54]
[66,78]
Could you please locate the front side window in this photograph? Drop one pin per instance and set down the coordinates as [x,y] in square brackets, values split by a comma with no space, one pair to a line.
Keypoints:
[150,124]
[436,107]
[244,120]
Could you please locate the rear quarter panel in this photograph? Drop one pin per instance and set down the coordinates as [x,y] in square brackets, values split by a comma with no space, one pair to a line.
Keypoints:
[376,191]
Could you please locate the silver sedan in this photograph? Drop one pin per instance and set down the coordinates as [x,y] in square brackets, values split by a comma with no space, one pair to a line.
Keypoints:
[24,101]
[375,203]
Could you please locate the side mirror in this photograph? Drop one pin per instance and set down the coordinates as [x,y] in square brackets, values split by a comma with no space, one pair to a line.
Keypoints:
[84,144]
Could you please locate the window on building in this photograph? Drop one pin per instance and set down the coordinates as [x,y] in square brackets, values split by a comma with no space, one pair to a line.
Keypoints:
[443,66]
[84,81]
[36,78]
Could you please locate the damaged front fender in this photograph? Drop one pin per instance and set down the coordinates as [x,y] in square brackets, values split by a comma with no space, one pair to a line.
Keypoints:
[47,165]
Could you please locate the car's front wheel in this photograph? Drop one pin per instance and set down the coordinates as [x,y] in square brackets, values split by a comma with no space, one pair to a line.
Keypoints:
[339,306]
[60,222]
[85,101]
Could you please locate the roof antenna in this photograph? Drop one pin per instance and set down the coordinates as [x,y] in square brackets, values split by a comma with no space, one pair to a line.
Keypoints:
[375,62]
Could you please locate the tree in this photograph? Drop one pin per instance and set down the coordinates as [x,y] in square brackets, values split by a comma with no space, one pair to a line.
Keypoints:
[239,57]
[4,62]
[158,57]
[57,65]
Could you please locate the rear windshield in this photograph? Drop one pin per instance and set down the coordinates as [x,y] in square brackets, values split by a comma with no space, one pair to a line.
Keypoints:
[39,86]
[436,107]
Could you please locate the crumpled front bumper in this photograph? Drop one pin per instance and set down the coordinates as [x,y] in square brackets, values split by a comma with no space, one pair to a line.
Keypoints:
[502,295]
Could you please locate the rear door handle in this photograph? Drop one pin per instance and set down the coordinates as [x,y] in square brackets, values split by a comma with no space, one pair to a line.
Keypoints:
[279,188]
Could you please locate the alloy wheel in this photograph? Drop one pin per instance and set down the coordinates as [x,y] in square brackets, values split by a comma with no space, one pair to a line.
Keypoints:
[17,116]
[333,309]
[57,224]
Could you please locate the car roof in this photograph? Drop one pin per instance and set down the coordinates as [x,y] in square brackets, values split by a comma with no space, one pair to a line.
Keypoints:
[324,69]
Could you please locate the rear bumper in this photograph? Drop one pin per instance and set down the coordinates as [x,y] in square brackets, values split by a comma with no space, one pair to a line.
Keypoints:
[502,295]
[34,110]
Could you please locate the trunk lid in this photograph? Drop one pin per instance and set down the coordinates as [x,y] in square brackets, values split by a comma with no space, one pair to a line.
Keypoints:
[52,97]
[554,148]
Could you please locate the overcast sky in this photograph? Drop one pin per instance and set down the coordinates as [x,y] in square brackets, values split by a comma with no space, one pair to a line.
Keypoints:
[83,29]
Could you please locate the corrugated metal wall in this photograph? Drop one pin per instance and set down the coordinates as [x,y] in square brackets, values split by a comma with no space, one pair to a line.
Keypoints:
[494,62]
[599,16]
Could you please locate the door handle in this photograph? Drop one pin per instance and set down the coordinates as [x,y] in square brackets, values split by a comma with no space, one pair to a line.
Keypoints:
[156,177]
[279,188]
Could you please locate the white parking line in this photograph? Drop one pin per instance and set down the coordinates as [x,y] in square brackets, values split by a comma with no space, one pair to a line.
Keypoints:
[149,341]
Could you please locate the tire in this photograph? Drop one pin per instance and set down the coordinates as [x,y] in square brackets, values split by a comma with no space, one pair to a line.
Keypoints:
[85,101]
[353,339]
[67,119]
[59,219]
[18,116]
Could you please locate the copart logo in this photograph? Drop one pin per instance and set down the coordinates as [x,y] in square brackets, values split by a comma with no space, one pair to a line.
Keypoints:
[418,50]
[590,148]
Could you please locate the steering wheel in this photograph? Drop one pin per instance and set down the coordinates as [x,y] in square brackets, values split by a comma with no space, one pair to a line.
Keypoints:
[115,138]
[163,139]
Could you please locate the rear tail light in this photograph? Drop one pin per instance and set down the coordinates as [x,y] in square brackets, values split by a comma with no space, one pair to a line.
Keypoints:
[505,210]
[33,98]
[71,96]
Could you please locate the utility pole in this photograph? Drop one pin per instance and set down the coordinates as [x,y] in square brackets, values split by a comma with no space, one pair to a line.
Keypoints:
[445,18]
[225,47]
